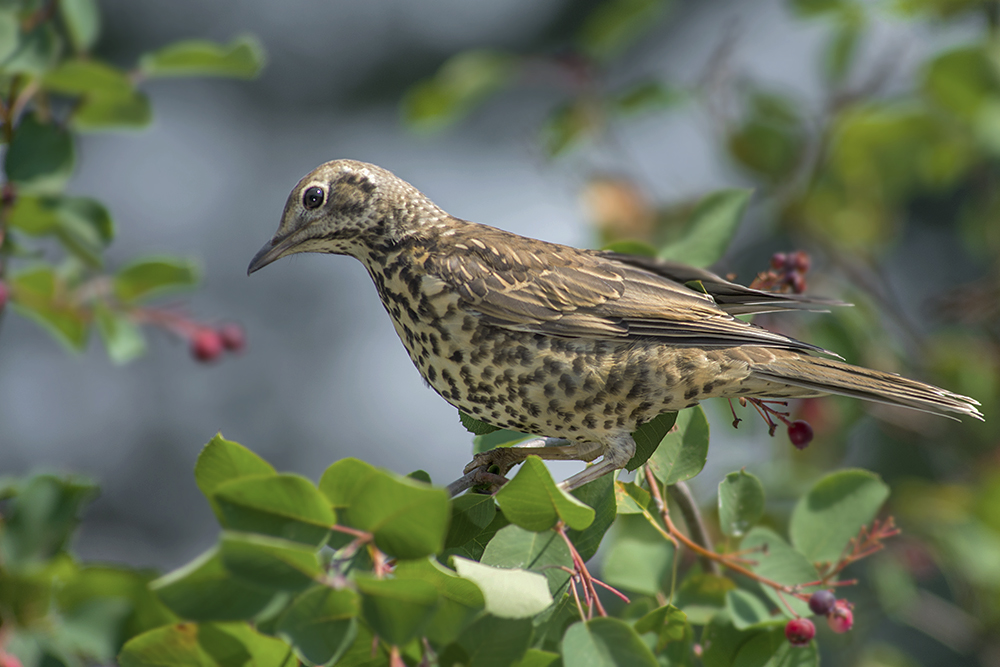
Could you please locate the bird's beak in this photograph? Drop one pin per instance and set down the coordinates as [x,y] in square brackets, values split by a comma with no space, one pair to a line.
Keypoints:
[274,249]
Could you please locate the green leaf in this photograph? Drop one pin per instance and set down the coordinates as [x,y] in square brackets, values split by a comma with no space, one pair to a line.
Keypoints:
[721,641]
[616,24]
[40,295]
[840,51]
[673,633]
[605,642]
[509,593]
[397,610]
[36,51]
[344,480]
[83,22]
[490,642]
[569,124]
[470,515]
[10,28]
[776,560]
[282,505]
[962,79]
[533,501]
[240,59]
[545,553]
[475,426]
[205,645]
[109,100]
[40,519]
[746,609]
[83,76]
[270,562]
[710,228]
[204,590]
[85,228]
[702,596]
[771,649]
[638,557]
[682,452]
[648,437]
[122,338]
[741,503]
[113,111]
[502,438]
[834,510]
[321,623]
[223,461]
[631,247]
[646,96]
[150,277]
[600,496]
[40,156]
[460,600]
[408,518]
[631,498]
[461,83]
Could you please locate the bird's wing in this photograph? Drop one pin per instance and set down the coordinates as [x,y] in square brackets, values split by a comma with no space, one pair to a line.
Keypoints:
[528,285]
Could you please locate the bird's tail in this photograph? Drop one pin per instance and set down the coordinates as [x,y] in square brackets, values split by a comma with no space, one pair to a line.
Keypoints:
[829,376]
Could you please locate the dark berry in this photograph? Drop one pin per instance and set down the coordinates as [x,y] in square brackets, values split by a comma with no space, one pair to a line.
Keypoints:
[821,602]
[841,618]
[800,433]
[800,631]
[797,281]
[233,338]
[206,345]
[4,294]
[799,261]
[778,261]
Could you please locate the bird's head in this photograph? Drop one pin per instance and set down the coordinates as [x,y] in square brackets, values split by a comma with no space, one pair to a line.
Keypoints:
[343,207]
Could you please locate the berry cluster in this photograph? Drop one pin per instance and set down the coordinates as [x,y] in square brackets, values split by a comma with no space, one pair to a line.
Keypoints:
[208,344]
[840,618]
[790,269]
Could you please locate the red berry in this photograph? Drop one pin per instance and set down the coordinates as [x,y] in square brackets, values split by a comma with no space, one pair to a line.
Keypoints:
[797,281]
[9,660]
[799,261]
[4,294]
[778,261]
[821,602]
[841,618]
[800,631]
[206,345]
[800,433]
[233,338]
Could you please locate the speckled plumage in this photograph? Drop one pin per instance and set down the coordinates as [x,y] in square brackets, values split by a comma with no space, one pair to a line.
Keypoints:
[556,341]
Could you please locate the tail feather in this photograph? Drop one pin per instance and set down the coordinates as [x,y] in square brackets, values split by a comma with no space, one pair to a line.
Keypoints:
[835,377]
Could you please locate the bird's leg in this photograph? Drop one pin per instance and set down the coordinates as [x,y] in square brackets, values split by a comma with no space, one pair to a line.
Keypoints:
[618,450]
[552,449]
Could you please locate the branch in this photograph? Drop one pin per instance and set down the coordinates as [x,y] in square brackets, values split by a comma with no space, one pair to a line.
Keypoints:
[681,494]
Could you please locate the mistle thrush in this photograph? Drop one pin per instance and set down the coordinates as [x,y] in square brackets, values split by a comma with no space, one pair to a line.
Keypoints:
[552,340]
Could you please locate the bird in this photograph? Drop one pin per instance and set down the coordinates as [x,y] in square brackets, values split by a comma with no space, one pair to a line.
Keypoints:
[573,345]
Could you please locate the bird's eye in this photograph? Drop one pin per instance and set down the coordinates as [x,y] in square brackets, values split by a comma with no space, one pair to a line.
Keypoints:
[313,197]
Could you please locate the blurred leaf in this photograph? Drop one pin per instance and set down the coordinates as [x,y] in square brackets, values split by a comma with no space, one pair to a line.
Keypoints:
[668,622]
[40,295]
[222,461]
[282,505]
[83,22]
[545,553]
[834,510]
[605,642]
[816,7]
[710,228]
[461,83]
[270,562]
[599,495]
[741,503]
[409,519]
[344,480]
[491,642]
[771,139]
[777,561]
[682,452]
[475,426]
[533,501]
[36,52]
[204,590]
[10,28]
[770,648]
[649,436]
[638,557]
[82,224]
[108,100]
[614,25]
[840,51]
[460,600]
[722,641]
[502,438]
[470,515]
[40,156]
[321,623]
[130,110]
[80,76]
[960,80]
[640,248]
[746,609]
[397,610]
[568,125]
[205,645]
[40,519]
[122,338]
[146,278]
[242,58]
[647,96]
[702,596]
[509,593]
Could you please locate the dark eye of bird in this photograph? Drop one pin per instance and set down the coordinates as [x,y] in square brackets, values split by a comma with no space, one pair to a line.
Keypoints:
[313,197]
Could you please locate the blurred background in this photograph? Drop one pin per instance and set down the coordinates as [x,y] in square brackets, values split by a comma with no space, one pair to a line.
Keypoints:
[870,132]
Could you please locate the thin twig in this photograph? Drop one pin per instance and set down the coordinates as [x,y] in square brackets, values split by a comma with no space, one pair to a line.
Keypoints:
[681,494]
